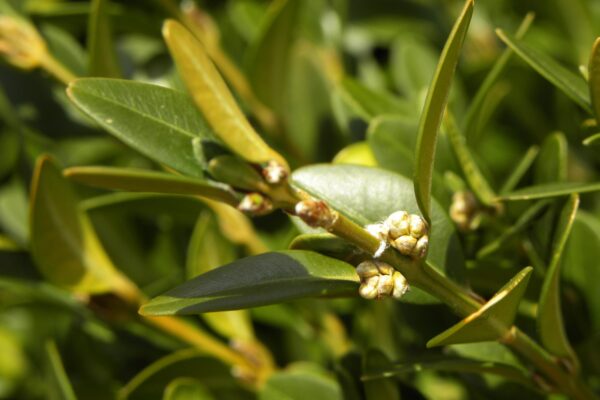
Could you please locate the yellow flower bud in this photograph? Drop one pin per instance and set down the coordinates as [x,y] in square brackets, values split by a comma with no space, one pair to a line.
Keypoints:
[398,224]
[385,286]
[366,270]
[400,285]
[20,43]
[405,244]
[368,289]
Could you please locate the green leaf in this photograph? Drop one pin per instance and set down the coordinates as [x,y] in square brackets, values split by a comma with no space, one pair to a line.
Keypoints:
[369,195]
[392,141]
[568,82]
[237,173]
[368,103]
[324,243]
[59,380]
[381,388]
[477,104]
[491,321]
[594,78]
[63,242]
[551,164]
[213,97]
[591,139]
[156,121]
[412,64]
[207,250]
[519,171]
[13,211]
[433,111]
[66,49]
[259,280]
[550,320]
[358,153]
[139,180]
[300,384]
[477,182]
[101,49]
[550,190]
[186,389]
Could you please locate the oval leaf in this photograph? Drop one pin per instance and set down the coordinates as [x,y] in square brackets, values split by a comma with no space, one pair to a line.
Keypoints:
[435,104]
[156,121]
[213,97]
[255,281]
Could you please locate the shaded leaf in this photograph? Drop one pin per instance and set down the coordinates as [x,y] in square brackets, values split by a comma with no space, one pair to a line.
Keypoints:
[58,377]
[568,82]
[186,389]
[382,388]
[492,320]
[550,190]
[433,111]
[594,77]
[519,171]
[259,280]
[236,172]
[324,243]
[212,96]
[156,121]
[549,319]
[101,49]
[299,384]
[139,180]
[551,164]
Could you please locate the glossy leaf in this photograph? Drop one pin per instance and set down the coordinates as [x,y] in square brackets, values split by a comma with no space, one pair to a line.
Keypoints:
[550,319]
[368,195]
[594,77]
[207,250]
[300,384]
[212,96]
[139,180]
[551,164]
[433,111]
[158,122]
[186,389]
[550,190]
[477,104]
[63,242]
[101,49]
[477,182]
[492,320]
[565,80]
[259,280]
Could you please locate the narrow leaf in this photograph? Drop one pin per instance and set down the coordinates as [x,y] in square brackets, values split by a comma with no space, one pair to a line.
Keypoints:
[158,122]
[522,166]
[324,243]
[138,180]
[58,376]
[550,190]
[63,242]
[212,96]
[259,280]
[477,182]
[101,49]
[551,163]
[550,320]
[568,82]
[493,320]
[433,111]
[594,78]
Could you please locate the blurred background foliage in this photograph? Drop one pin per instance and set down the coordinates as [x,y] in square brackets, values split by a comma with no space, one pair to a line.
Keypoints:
[340,80]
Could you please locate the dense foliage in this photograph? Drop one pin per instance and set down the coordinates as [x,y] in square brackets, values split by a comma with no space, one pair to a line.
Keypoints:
[294,199]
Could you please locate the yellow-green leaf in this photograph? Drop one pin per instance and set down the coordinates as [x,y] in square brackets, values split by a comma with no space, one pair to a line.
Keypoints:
[213,97]
[359,153]
[433,111]
[594,77]
[491,321]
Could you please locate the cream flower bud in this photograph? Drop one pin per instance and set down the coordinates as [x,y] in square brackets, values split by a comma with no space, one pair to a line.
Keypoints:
[417,226]
[274,173]
[398,224]
[405,244]
[400,285]
[385,286]
[368,289]
[255,204]
[367,269]
[384,269]
[420,249]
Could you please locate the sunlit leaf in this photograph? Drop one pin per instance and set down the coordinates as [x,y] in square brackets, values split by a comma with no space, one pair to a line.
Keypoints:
[433,111]
[357,154]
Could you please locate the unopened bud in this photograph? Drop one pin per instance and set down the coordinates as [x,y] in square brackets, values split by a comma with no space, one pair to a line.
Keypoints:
[367,269]
[398,224]
[400,285]
[464,210]
[20,43]
[255,204]
[379,280]
[368,289]
[408,233]
[316,213]
[274,173]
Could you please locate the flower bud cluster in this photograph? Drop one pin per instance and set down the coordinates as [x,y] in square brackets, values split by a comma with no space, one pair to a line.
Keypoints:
[20,43]
[378,280]
[408,233]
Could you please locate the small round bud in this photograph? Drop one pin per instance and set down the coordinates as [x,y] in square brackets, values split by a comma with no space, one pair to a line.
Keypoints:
[367,269]
[255,204]
[385,286]
[405,244]
[398,224]
[368,289]
[384,269]
[418,227]
[464,210]
[315,213]
[20,43]
[274,173]
[400,285]
[420,249]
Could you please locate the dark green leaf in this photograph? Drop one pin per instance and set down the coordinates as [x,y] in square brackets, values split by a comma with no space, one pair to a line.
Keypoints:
[154,120]
[571,84]
[300,384]
[551,164]
[139,180]
[58,377]
[491,321]
[186,389]
[594,77]
[433,111]
[550,320]
[519,171]
[380,388]
[368,195]
[324,243]
[259,280]
[550,190]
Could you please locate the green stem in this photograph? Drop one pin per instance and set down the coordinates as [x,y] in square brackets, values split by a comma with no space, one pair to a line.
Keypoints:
[56,69]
